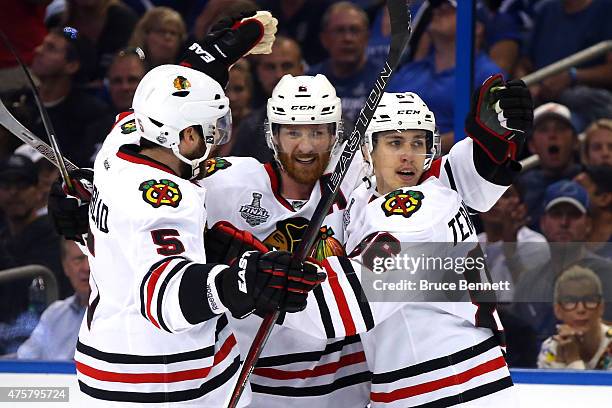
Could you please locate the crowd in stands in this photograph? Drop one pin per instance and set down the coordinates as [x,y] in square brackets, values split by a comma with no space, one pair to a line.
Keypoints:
[549,235]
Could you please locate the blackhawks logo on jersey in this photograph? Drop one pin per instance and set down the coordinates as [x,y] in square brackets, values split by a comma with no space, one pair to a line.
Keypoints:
[400,202]
[214,165]
[288,235]
[128,127]
[327,245]
[162,192]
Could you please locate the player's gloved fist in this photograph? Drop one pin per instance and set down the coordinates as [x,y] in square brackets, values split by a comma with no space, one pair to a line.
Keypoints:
[225,243]
[267,282]
[229,40]
[500,115]
[70,211]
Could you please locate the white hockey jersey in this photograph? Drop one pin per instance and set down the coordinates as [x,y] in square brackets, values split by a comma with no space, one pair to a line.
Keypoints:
[420,353]
[137,343]
[294,369]
[321,373]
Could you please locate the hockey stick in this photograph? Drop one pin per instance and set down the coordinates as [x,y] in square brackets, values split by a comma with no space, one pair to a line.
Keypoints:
[400,34]
[59,159]
[15,127]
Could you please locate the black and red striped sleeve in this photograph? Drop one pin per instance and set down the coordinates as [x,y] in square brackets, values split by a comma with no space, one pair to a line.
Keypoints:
[177,294]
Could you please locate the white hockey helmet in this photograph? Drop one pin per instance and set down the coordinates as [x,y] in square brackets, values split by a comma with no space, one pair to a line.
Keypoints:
[170,98]
[303,100]
[404,111]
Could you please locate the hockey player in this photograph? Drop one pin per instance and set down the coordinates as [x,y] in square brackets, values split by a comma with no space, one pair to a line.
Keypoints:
[270,202]
[275,201]
[420,353]
[156,329]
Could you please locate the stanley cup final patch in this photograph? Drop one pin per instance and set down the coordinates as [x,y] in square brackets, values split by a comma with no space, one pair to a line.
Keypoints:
[162,192]
[400,202]
[254,214]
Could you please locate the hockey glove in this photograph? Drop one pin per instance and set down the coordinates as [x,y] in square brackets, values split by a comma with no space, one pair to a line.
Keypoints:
[229,40]
[267,282]
[500,116]
[70,212]
[224,243]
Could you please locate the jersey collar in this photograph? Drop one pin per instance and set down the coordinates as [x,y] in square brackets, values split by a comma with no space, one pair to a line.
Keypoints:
[275,183]
[131,153]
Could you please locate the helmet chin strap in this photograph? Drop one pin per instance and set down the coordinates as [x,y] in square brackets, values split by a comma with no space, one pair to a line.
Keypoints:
[193,164]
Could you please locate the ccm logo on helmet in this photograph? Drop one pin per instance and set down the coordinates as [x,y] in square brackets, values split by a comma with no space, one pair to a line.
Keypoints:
[303,107]
[408,112]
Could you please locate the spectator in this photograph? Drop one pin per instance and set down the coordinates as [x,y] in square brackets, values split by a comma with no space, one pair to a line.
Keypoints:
[24,27]
[380,37]
[126,71]
[160,33]
[502,34]
[124,74]
[107,24]
[433,77]
[61,63]
[597,181]
[508,242]
[566,223]
[554,140]
[345,37]
[285,58]
[301,20]
[588,23]
[239,90]
[28,238]
[55,336]
[47,174]
[597,145]
[582,341]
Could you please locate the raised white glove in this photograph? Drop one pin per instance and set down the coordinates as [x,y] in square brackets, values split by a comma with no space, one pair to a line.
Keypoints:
[269,23]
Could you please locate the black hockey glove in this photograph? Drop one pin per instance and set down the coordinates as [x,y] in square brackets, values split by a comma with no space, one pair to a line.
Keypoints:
[267,282]
[229,40]
[500,116]
[70,213]
[224,243]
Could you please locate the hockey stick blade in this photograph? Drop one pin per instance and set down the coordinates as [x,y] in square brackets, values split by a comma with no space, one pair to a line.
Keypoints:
[15,127]
[400,34]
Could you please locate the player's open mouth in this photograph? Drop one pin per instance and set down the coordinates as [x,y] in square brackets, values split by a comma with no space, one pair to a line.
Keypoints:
[406,173]
[304,160]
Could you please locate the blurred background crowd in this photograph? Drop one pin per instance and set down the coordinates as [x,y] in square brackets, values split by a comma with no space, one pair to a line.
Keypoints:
[549,235]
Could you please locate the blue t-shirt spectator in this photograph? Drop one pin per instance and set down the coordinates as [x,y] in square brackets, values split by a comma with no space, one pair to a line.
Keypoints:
[437,89]
[557,34]
[498,26]
[351,90]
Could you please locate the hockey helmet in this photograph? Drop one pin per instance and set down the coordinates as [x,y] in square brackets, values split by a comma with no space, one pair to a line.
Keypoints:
[403,111]
[303,100]
[170,98]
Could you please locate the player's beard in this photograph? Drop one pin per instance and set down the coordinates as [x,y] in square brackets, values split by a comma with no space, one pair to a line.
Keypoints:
[185,169]
[304,174]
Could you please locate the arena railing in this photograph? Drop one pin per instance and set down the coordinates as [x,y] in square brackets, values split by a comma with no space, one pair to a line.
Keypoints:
[33,271]
[557,67]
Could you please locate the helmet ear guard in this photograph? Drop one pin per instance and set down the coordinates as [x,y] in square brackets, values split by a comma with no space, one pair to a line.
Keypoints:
[171,98]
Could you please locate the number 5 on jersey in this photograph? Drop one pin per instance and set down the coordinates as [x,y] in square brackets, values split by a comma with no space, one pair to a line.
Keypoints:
[168,244]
